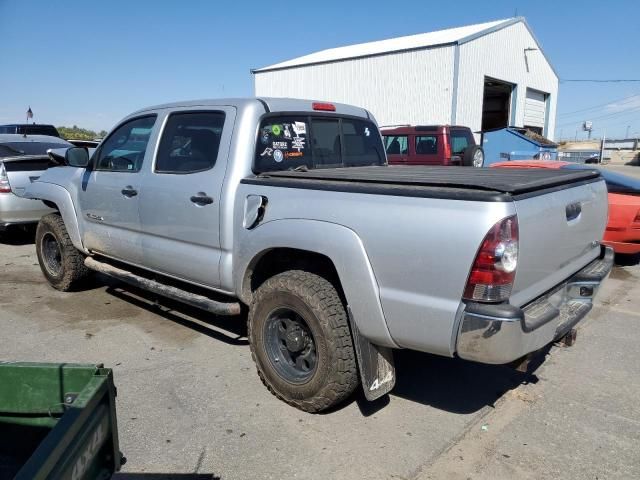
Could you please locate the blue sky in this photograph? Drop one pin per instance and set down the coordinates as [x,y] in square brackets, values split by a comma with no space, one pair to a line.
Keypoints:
[91,63]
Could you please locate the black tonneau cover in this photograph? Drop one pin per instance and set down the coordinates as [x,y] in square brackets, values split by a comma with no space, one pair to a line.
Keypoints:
[463,183]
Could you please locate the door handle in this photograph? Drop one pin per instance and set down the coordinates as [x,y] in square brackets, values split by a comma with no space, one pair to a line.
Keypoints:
[129,191]
[202,199]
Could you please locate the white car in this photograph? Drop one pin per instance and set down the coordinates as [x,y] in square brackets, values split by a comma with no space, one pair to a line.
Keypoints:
[22,160]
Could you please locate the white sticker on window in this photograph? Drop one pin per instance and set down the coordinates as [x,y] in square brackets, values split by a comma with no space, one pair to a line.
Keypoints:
[298,143]
[299,128]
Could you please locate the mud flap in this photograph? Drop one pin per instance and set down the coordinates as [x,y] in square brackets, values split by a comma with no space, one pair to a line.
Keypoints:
[377,371]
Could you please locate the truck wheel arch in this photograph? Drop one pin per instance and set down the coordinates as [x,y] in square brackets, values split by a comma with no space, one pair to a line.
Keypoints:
[329,249]
[58,198]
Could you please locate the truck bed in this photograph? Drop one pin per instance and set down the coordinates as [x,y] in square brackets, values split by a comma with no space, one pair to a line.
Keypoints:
[481,184]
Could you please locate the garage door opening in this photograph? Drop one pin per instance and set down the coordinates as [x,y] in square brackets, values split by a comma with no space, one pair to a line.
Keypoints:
[495,104]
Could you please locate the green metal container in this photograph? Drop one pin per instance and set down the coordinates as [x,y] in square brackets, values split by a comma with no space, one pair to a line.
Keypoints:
[57,421]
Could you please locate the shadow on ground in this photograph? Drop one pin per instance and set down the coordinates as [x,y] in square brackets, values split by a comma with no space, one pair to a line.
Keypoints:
[165,476]
[448,384]
[627,260]
[18,236]
[231,330]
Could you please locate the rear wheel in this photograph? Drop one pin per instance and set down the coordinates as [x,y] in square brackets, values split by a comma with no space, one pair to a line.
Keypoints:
[300,341]
[473,157]
[61,263]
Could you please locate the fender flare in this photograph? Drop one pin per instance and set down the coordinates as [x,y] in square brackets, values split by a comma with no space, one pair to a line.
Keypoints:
[52,193]
[338,243]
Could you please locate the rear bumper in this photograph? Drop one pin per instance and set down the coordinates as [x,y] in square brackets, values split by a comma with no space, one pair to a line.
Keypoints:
[15,210]
[502,333]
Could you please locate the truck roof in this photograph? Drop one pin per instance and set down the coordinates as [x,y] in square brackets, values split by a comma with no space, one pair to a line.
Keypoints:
[409,129]
[268,103]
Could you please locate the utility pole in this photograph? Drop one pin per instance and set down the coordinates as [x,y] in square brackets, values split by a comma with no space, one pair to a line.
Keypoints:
[604,136]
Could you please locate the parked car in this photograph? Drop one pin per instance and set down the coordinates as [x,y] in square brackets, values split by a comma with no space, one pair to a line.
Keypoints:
[289,208]
[623,230]
[22,160]
[431,145]
[84,143]
[30,129]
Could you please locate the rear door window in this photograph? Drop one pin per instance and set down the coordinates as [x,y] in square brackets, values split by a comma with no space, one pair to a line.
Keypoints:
[286,142]
[426,144]
[190,142]
[396,144]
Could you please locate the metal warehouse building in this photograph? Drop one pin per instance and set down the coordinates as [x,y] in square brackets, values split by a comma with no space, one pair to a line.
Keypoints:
[483,76]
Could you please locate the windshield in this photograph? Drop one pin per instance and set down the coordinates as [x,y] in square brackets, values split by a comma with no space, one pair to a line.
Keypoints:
[616,182]
[12,149]
[286,142]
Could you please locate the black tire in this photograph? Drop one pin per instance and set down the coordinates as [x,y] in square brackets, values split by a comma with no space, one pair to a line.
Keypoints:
[316,301]
[61,263]
[469,157]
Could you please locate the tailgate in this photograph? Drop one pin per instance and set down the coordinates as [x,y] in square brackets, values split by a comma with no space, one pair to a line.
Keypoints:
[21,172]
[560,233]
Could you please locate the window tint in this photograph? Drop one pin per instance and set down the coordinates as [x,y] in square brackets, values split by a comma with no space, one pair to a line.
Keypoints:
[361,144]
[396,144]
[12,149]
[460,141]
[123,150]
[190,142]
[287,142]
[426,145]
[326,142]
[38,130]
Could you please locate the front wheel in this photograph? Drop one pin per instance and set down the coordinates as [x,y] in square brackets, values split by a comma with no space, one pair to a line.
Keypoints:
[61,263]
[301,342]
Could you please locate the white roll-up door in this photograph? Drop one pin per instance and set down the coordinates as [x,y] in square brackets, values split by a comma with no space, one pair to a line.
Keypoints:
[535,108]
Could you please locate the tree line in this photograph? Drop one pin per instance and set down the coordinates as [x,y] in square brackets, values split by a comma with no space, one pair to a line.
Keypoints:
[77,133]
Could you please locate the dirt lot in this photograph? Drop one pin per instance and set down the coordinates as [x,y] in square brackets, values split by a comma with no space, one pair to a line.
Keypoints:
[190,402]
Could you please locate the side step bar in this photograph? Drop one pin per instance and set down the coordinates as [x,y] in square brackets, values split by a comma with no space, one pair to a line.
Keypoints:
[174,293]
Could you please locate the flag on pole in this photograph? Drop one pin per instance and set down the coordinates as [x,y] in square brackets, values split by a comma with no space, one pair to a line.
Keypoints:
[29,113]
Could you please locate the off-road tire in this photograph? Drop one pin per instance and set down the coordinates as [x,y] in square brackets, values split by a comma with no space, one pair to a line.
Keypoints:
[317,301]
[72,268]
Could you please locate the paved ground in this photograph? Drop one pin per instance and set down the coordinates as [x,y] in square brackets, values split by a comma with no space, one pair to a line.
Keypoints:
[190,401]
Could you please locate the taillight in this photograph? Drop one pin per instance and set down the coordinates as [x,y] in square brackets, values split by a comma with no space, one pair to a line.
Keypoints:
[447,151]
[494,269]
[637,219]
[4,180]
[326,107]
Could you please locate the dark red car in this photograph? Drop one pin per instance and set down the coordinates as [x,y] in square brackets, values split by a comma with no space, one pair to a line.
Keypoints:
[431,145]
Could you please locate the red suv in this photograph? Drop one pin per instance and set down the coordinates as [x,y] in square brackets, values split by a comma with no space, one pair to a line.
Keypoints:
[431,145]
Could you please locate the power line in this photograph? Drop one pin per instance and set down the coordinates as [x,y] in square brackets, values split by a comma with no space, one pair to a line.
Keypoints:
[620,100]
[617,80]
[614,114]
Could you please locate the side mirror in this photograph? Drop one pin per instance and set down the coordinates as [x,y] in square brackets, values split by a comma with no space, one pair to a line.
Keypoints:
[77,157]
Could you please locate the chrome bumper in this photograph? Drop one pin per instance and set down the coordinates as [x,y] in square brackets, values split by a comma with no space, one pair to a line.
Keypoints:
[502,333]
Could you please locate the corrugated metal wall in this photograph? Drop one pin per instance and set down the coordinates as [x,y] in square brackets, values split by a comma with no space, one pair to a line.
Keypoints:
[500,55]
[410,87]
[417,87]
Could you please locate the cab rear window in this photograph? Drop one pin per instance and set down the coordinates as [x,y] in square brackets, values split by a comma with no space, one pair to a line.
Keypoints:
[286,142]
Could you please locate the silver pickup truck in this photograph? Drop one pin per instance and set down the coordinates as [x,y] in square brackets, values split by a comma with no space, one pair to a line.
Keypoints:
[287,208]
